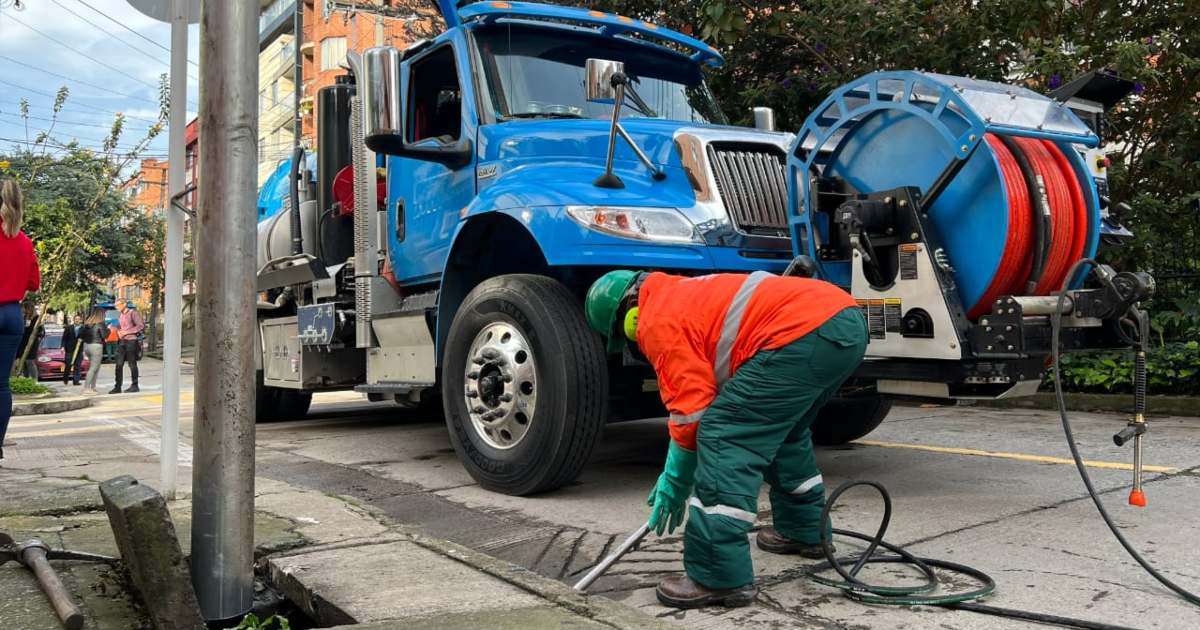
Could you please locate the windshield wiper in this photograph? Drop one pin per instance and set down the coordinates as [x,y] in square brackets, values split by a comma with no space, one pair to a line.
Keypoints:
[543,115]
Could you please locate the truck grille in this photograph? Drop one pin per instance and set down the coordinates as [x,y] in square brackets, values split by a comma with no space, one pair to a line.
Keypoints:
[750,178]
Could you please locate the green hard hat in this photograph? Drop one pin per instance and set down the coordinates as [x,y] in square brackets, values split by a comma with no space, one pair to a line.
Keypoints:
[602,303]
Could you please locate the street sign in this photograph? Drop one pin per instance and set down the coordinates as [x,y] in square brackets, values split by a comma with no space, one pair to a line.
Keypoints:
[162,10]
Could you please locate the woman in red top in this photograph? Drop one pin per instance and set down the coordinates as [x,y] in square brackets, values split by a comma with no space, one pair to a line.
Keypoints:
[20,276]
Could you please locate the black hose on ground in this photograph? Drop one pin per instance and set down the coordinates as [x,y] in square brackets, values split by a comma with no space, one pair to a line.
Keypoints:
[859,590]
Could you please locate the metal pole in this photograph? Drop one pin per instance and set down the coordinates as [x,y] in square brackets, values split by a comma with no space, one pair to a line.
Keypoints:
[173,289]
[223,472]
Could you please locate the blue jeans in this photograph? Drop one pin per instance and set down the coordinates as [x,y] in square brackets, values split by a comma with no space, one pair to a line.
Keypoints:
[12,328]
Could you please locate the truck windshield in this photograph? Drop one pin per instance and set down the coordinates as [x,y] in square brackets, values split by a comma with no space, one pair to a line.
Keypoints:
[539,73]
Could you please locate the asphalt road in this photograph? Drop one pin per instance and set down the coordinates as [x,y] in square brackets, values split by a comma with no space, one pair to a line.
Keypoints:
[984,487]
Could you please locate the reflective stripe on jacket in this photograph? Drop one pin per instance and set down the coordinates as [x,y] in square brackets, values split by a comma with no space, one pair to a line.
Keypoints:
[696,332]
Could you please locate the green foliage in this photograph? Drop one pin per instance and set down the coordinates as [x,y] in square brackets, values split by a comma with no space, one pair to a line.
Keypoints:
[789,54]
[26,385]
[252,622]
[1170,369]
[74,211]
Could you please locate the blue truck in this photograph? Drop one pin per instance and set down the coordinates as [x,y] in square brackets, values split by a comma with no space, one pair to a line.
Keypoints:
[468,189]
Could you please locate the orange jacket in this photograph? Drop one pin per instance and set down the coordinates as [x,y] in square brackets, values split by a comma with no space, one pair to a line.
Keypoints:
[696,332]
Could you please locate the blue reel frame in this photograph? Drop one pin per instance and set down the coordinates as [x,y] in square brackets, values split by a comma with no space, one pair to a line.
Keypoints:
[926,113]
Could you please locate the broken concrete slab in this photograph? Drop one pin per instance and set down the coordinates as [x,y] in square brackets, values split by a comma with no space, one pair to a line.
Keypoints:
[150,551]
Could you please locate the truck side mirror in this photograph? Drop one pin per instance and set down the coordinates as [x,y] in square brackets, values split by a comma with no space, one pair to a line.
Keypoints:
[383,114]
[600,86]
[382,102]
[607,84]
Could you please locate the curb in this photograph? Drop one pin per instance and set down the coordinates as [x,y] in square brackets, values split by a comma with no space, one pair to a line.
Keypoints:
[1120,403]
[595,608]
[49,405]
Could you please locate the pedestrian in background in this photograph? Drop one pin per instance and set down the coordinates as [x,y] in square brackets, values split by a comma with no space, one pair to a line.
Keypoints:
[93,334]
[21,276]
[72,349]
[129,345]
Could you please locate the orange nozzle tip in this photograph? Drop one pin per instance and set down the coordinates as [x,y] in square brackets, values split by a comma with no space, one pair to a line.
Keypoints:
[1137,498]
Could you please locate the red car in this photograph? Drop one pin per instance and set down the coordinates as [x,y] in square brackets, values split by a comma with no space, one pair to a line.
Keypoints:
[52,357]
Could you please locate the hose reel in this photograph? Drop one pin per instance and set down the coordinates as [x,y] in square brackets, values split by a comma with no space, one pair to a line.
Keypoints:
[1007,191]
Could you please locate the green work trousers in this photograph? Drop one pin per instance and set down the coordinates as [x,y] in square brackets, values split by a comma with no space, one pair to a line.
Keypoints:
[758,427]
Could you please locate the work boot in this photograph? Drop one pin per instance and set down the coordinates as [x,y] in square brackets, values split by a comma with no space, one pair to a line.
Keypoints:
[681,591]
[132,389]
[771,541]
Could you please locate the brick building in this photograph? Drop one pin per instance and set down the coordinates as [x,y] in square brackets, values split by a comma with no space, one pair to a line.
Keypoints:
[331,28]
[146,192]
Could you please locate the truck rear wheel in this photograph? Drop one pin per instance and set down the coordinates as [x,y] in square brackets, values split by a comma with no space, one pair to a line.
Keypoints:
[846,418]
[525,385]
[275,403]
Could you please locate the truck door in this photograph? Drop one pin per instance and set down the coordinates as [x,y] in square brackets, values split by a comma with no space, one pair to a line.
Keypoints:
[427,196]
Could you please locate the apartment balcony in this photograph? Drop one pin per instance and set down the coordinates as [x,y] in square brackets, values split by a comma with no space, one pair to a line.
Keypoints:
[275,20]
[281,62]
[274,116]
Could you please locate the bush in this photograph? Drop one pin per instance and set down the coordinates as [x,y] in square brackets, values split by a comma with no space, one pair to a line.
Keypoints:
[25,385]
[1170,369]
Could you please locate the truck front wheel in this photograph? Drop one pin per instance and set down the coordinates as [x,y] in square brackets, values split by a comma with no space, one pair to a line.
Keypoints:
[846,418]
[525,385]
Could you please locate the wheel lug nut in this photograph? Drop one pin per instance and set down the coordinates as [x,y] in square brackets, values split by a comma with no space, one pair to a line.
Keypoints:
[472,393]
[473,375]
[508,378]
[478,361]
[506,397]
[490,353]
[479,409]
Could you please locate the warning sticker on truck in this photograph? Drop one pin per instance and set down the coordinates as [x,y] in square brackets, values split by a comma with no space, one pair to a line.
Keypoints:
[908,260]
[891,314]
[875,323]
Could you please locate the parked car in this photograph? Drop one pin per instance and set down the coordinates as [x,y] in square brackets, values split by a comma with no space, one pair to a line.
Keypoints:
[52,357]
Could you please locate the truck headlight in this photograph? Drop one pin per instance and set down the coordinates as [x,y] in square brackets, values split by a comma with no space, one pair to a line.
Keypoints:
[647,224]
[43,359]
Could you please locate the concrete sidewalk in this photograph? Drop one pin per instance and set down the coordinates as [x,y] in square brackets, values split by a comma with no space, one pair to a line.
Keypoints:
[339,564]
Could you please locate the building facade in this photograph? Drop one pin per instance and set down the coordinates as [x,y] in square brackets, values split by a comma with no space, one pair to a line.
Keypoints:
[146,192]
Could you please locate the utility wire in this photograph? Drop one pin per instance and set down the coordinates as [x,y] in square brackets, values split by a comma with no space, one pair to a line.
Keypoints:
[64,121]
[126,27]
[112,35]
[55,96]
[58,146]
[79,81]
[82,54]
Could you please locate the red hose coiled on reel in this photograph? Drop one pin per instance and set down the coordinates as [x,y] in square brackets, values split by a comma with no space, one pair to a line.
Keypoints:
[1066,232]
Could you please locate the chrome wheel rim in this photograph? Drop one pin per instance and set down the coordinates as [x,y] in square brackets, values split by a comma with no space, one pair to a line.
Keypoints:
[501,385]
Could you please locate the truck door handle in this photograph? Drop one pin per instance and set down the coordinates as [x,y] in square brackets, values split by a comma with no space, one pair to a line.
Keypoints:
[399,219]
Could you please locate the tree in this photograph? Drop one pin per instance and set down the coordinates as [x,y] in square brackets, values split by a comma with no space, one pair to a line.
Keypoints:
[74,213]
[790,54]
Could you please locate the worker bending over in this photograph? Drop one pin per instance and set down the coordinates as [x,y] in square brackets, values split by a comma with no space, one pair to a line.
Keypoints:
[744,364]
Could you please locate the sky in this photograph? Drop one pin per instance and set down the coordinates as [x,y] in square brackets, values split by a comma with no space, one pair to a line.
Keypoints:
[107,68]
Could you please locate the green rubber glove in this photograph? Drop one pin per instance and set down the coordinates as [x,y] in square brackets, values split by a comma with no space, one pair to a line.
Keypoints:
[668,499]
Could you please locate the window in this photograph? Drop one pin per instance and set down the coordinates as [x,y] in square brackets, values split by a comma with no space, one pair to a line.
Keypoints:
[536,72]
[435,98]
[333,51]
